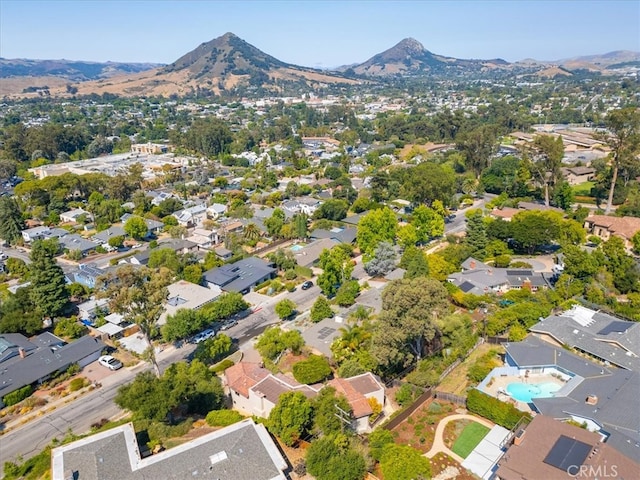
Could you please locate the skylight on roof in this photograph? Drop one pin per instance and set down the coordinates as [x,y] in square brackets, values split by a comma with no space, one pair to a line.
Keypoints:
[583,316]
[218,457]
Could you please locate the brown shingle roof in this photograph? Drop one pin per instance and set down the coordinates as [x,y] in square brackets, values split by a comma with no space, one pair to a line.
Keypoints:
[242,376]
[526,460]
[625,227]
[358,402]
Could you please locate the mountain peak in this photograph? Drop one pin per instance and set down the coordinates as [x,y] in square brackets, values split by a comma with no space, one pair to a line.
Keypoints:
[410,45]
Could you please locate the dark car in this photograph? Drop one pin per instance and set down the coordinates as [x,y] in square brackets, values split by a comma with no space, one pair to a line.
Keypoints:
[307,285]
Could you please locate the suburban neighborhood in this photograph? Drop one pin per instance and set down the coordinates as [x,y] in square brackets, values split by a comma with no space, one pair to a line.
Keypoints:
[377,277]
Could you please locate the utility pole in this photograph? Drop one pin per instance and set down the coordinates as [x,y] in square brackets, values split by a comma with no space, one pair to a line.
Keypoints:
[344,417]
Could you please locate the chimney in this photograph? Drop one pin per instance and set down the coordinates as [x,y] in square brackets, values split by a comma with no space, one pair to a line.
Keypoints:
[22,353]
[517,440]
[592,400]
[472,264]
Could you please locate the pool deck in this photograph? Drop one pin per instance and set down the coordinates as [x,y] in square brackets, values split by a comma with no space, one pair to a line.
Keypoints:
[501,382]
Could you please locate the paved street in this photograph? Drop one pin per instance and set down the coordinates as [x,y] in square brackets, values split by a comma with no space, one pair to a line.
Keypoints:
[77,416]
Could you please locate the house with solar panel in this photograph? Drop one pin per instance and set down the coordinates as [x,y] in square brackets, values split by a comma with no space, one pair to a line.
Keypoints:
[479,278]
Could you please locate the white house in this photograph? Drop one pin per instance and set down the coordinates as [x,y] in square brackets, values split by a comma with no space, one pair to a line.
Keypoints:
[72,215]
[192,216]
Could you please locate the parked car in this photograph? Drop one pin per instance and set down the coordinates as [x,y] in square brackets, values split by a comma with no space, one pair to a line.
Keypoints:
[110,362]
[203,335]
[307,285]
[229,324]
[3,256]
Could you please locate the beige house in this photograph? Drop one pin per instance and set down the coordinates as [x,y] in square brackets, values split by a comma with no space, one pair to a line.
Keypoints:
[255,391]
[578,175]
[605,227]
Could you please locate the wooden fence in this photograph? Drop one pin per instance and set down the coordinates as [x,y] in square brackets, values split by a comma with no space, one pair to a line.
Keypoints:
[450,397]
[402,416]
[496,340]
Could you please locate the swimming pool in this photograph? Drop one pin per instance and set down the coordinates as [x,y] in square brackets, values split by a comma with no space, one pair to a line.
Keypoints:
[524,392]
[296,248]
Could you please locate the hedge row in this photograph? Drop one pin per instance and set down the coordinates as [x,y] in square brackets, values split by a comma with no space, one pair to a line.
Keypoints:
[495,410]
[17,396]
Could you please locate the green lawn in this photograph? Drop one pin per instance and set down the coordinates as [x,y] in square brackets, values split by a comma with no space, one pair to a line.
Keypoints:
[469,439]
[583,189]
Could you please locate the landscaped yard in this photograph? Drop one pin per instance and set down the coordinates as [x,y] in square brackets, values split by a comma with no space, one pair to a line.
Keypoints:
[456,382]
[583,189]
[443,464]
[419,429]
[470,437]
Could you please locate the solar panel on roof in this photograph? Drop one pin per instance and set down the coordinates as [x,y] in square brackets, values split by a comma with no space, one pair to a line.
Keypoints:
[466,287]
[521,273]
[324,332]
[567,452]
[615,327]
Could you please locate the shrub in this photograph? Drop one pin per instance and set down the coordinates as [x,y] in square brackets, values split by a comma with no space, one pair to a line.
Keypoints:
[495,410]
[406,394]
[290,275]
[482,366]
[17,396]
[321,309]
[312,370]
[223,418]
[223,365]
[76,384]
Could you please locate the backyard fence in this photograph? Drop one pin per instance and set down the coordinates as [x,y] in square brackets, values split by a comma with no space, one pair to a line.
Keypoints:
[402,416]
[450,397]
[497,340]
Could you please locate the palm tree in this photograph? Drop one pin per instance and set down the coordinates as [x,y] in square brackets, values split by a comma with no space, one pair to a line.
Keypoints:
[252,232]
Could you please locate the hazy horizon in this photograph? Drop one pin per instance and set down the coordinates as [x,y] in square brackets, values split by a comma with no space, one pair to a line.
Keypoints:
[319,33]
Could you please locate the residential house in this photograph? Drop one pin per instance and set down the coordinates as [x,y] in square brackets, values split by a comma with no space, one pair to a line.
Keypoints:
[192,216]
[597,395]
[187,295]
[223,253]
[115,326]
[42,233]
[242,451]
[158,197]
[72,215]
[361,391]
[478,278]
[341,235]
[141,258]
[604,337]
[578,175]
[203,238]
[27,362]
[309,255]
[240,276]
[256,391]
[153,226]
[179,245]
[553,450]
[86,274]
[75,242]
[305,205]
[504,213]
[104,236]
[605,227]
[216,210]
[90,309]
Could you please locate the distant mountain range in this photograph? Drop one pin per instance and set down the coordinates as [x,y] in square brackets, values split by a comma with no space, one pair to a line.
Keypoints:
[229,65]
[72,70]
[409,57]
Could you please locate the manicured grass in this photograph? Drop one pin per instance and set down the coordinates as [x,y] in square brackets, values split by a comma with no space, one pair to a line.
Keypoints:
[469,439]
[583,189]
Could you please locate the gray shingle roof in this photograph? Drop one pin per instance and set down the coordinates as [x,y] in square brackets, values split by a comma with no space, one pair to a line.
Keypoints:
[604,336]
[243,451]
[43,360]
[240,275]
[616,390]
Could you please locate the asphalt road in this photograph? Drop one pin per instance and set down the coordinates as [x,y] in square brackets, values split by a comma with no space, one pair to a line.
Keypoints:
[77,416]
[458,224]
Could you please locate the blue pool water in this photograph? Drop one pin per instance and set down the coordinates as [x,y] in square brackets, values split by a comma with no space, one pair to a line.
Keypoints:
[295,248]
[524,392]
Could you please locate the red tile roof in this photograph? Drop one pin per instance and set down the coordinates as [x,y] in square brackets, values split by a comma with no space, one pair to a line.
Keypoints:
[242,376]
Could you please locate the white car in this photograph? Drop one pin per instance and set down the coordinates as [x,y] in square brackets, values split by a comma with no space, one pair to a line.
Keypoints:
[110,362]
[205,334]
[3,256]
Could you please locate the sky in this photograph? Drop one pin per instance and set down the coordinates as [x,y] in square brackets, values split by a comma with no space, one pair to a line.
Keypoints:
[316,33]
